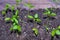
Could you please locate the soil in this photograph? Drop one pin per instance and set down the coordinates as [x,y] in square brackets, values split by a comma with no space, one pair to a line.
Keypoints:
[27,33]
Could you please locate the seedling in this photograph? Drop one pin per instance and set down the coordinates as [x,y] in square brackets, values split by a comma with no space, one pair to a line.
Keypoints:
[49,14]
[58,30]
[35,30]
[18,1]
[16,28]
[34,18]
[7,6]
[47,28]
[29,5]
[55,31]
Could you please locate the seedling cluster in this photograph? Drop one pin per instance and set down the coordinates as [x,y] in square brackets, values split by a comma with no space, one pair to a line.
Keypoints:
[15,22]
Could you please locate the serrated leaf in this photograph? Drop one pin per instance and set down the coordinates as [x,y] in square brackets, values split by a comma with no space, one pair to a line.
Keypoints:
[29,16]
[57,32]
[36,16]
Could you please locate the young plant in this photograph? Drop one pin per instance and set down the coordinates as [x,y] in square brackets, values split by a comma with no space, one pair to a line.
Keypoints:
[58,30]
[34,18]
[7,6]
[29,5]
[55,31]
[16,28]
[49,14]
[35,30]
[18,1]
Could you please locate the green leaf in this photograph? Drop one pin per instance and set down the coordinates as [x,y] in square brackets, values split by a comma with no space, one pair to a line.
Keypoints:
[59,27]
[57,32]
[3,12]
[11,29]
[15,27]
[16,21]
[29,16]
[18,0]
[53,14]
[47,13]
[19,28]
[7,19]
[47,28]
[53,32]
[46,9]
[29,5]
[35,31]
[37,20]
[12,8]
[17,11]
[7,6]
[36,16]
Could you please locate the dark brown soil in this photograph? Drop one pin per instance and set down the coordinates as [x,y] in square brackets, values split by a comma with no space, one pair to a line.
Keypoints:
[27,33]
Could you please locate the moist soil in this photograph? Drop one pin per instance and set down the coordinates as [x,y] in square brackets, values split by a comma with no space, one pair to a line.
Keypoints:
[27,33]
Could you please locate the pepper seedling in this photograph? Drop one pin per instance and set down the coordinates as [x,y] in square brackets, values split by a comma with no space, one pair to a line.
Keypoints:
[58,30]
[16,28]
[35,18]
[7,6]
[18,1]
[55,31]
[29,5]
[35,30]
[49,14]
